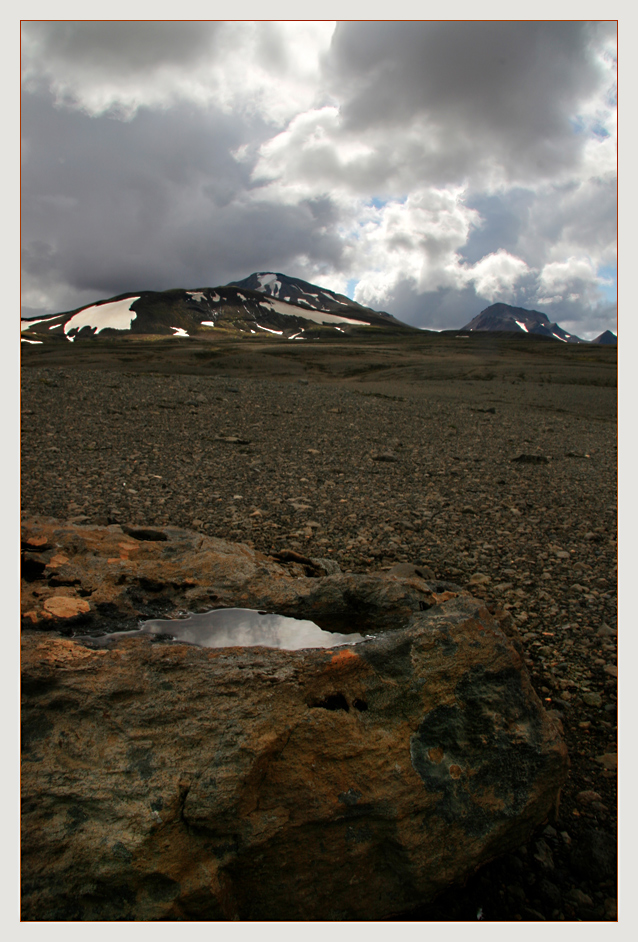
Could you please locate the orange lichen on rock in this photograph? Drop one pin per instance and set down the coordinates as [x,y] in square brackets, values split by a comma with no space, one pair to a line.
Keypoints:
[64,607]
[343,658]
[58,560]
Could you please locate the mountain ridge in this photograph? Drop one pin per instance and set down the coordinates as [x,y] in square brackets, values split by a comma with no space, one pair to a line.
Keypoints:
[286,307]
[263,303]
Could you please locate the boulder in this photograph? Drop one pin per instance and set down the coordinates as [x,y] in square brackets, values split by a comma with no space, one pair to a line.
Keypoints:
[165,781]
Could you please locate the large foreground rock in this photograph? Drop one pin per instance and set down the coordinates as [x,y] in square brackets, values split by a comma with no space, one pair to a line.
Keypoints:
[166,781]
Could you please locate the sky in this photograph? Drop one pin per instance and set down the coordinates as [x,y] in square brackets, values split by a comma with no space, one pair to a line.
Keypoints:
[427,169]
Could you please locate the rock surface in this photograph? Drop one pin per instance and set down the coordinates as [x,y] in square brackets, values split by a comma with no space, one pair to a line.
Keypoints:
[166,781]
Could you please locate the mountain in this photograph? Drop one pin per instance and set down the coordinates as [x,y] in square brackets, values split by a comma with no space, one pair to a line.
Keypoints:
[518,319]
[296,291]
[277,305]
[606,337]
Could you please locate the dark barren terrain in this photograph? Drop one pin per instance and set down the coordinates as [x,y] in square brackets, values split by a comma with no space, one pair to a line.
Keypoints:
[490,458]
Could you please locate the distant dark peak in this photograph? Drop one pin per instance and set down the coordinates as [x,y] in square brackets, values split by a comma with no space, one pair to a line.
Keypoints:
[519,320]
[606,337]
[506,315]
[501,308]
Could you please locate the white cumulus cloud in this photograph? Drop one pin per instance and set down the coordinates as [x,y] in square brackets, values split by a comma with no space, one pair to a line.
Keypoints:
[495,276]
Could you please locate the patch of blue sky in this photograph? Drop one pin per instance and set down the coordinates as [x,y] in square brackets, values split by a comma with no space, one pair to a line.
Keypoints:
[608,285]
[580,126]
[577,124]
[352,284]
[599,131]
[379,203]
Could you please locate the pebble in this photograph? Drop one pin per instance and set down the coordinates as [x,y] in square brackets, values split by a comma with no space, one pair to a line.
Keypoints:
[587,797]
[580,899]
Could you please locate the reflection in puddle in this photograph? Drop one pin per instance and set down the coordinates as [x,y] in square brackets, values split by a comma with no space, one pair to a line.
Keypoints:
[238,627]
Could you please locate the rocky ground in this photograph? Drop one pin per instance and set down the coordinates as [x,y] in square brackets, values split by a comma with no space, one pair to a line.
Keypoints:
[507,485]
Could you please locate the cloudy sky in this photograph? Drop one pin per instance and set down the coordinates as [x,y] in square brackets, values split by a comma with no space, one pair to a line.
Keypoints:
[427,169]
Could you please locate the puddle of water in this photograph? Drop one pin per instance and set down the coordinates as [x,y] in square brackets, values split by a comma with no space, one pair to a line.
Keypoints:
[237,627]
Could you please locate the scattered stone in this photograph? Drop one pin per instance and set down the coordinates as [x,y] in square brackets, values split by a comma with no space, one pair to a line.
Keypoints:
[544,855]
[592,698]
[410,570]
[325,567]
[479,578]
[580,899]
[609,761]
[551,892]
[531,459]
[587,797]
[611,908]
[594,855]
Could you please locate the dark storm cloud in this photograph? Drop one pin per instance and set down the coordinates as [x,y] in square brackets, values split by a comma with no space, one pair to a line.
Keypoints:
[444,308]
[112,206]
[502,89]
[119,47]
[575,214]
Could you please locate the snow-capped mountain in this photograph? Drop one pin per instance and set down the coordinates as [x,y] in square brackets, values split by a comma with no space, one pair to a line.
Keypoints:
[505,317]
[296,291]
[280,306]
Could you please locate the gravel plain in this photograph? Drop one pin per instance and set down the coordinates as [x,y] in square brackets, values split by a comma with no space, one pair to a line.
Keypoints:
[372,470]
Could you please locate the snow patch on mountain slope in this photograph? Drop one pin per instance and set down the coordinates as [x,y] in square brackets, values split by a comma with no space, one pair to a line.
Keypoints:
[319,317]
[268,279]
[115,314]
[179,332]
[522,326]
[26,325]
[196,295]
[271,286]
[269,330]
